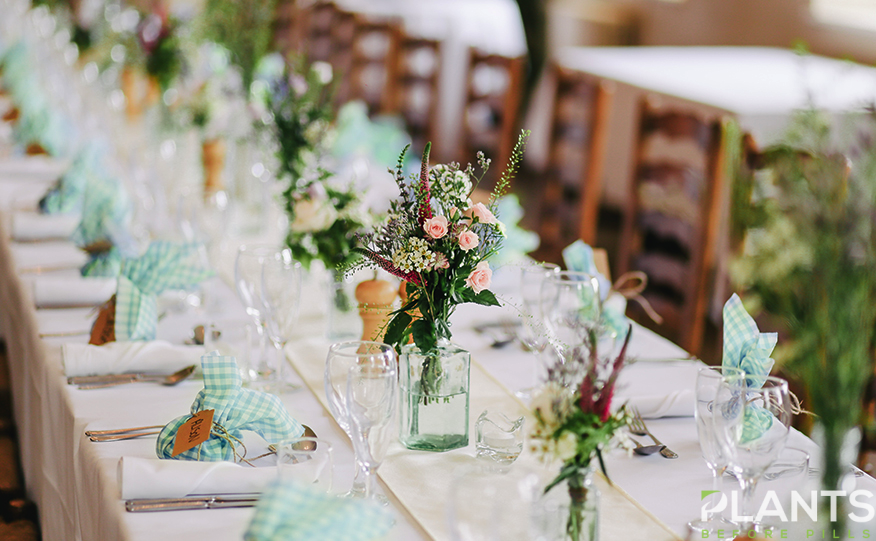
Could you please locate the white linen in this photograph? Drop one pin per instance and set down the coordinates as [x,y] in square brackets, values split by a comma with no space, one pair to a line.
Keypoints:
[21,195]
[32,167]
[47,256]
[32,226]
[655,406]
[155,478]
[71,291]
[121,357]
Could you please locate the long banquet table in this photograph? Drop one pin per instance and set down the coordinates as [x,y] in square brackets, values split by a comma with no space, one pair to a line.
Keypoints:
[75,483]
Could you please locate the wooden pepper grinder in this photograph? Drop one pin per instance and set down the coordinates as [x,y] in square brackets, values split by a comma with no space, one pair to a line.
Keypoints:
[213,159]
[375,299]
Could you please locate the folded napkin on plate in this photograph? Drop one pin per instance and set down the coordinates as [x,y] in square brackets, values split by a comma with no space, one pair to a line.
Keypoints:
[121,357]
[106,219]
[48,255]
[68,194]
[165,265]
[235,409]
[154,478]
[672,404]
[578,257]
[289,510]
[747,348]
[57,292]
[30,226]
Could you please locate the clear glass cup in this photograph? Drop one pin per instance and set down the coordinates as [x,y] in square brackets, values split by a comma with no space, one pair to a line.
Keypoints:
[340,359]
[751,418]
[571,311]
[708,380]
[372,396]
[498,438]
[281,296]
[532,333]
[248,282]
[307,461]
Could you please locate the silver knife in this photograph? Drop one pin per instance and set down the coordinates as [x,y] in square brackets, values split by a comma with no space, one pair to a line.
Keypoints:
[183,504]
[105,378]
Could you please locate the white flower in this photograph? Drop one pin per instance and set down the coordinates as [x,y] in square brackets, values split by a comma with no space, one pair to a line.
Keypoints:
[567,446]
[323,71]
[314,214]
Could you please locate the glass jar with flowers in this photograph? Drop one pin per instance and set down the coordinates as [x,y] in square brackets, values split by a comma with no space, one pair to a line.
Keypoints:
[573,424]
[437,241]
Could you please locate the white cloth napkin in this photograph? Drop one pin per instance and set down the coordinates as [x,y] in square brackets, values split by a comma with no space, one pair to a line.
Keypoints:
[121,357]
[32,167]
[659,389]
[155,478]
[30,226]
[71,291]
[47,256]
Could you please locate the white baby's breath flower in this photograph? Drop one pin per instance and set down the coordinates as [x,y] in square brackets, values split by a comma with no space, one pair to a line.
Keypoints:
[567,446]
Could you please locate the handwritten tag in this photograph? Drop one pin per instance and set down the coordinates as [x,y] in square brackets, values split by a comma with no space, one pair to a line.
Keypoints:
[193,432]
[104,328]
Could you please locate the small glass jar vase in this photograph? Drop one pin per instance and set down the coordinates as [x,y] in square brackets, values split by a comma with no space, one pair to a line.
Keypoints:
[570,511]
[434,390]
[343,321]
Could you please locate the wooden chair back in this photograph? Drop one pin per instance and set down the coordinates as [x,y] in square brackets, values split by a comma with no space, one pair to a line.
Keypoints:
[375,53]
[671,225]
[494,88]
[573,183]
[415,90]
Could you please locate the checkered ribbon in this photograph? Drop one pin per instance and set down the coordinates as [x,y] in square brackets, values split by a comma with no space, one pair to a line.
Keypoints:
[235,409]
[288,510]
[68,195]
[165,265]
[578,257]
[748,349]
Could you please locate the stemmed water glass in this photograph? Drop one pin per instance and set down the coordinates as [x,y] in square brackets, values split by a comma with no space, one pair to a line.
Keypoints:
[708,380]
[248,281]
[751,418]
[343,356]
[371,404]
[281,296]
[532,334]
[572,313]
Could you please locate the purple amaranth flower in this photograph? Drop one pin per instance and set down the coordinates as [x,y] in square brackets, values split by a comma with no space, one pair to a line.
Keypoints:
[385,264]
[423,196]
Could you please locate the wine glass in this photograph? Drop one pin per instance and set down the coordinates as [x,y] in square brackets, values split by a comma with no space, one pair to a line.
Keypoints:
[751,418]
[572,313]
[306,460]
[281,295]
[708,380]
[531,333]
[248,281]
[371,404]
[341,357]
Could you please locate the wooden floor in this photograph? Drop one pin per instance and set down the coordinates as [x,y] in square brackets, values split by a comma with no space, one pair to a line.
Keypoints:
[18,516]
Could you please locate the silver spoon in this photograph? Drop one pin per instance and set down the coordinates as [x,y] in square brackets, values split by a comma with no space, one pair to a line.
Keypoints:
[646,450]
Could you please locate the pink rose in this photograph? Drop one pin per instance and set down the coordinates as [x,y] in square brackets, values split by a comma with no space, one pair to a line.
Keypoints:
[482,213]
[480,277]
[468,239]
[436,227]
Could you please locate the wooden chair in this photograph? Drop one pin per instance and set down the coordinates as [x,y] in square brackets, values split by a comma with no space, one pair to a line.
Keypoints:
[573,185]
[672,221]
[415,89]
[494,89]
[342,33]
[375,51]
[291,26]
[318,44]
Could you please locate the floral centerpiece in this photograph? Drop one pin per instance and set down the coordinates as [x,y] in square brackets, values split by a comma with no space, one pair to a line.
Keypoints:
[438,242]
[574,424]
[808,260]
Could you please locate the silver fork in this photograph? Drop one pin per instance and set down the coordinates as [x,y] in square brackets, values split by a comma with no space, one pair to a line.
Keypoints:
[637,427]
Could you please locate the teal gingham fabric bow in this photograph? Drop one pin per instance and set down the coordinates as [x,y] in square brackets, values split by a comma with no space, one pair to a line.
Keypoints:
[236,409]
[748,349]
[578,257]
[68,196]
[165,265]
[288,510]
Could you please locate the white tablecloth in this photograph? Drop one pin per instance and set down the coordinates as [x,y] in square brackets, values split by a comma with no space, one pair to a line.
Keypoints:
[74,481]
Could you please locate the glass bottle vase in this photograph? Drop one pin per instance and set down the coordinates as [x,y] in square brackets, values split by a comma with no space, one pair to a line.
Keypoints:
[434,390]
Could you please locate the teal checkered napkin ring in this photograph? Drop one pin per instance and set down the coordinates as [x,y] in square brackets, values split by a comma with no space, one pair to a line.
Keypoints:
[288,510]
[235,409]
[748,349]
[164,266]
[745,347]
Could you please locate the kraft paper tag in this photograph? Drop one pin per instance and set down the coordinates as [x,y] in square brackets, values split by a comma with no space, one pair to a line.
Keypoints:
[104,328]
[193,432]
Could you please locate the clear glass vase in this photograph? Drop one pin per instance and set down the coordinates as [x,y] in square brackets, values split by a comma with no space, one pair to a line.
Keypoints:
[434,390]
[570,511]
[839,450]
